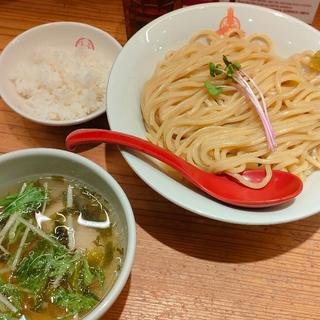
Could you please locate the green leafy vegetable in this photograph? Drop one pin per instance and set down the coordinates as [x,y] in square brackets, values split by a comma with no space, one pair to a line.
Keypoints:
[229,70]
[99,274]
[9,316]
[237,65]
[33,274]
[231,67]
[46,267]
[227,62]
[215,69]
[11,292]
[73,302]
[63,263]
[7,310]
[212,89]
[88,276]
[90,204]
[25,203]
[7,200]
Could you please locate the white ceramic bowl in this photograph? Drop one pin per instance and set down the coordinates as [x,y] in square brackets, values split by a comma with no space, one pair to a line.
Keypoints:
[20,165]
[137,61]
[59,35]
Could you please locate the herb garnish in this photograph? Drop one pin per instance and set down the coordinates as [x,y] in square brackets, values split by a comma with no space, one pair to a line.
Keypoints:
[47,267]
[212,89]
[10,316]
[246,85]
[74,302]
[24,203]
[10,290]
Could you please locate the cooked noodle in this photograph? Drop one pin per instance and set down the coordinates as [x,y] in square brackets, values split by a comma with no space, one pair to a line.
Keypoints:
[223,134]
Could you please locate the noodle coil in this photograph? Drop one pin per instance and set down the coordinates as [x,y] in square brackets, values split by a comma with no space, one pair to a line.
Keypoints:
[223,134]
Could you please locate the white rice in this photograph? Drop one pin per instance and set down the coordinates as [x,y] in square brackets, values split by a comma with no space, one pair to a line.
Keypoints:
[62,84]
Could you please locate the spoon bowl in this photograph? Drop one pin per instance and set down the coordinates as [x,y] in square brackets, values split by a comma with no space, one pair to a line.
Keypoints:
[283,186]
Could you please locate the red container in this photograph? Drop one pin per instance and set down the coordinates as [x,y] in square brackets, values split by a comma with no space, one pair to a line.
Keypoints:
[191,2]
[139,12]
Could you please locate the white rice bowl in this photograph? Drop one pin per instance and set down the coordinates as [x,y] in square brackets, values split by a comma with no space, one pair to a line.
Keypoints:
[57,73]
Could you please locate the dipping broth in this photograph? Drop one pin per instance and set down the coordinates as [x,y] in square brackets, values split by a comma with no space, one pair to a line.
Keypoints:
[60,250]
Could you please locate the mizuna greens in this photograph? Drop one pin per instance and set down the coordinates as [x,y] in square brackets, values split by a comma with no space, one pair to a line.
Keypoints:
[60,251]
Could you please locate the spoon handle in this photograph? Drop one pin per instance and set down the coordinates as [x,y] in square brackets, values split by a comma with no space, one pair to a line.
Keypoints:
[85,136]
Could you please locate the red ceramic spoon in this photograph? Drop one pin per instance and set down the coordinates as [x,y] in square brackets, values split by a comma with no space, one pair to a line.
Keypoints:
[282,188]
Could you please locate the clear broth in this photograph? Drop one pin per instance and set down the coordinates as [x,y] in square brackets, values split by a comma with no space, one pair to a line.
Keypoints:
[86,238]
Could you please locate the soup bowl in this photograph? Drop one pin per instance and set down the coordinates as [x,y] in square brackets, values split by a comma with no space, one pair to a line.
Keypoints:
[23,165]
